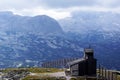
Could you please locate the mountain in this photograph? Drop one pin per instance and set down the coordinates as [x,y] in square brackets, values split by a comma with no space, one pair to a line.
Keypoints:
[101,30]
[28,41]
[37,24]
[29,49]
[106,46]
[22,40]
[84,21]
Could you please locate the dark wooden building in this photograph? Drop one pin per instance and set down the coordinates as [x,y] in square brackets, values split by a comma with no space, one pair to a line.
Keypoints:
[84,66]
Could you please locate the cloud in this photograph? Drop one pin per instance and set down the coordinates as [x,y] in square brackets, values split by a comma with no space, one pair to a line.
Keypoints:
[22,4]
[95,8]
[73,3]
[108,3]
[68,3]
[18,4]
[58,9]
[54,13]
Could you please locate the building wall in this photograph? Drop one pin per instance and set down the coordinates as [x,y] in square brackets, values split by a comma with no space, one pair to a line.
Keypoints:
[86,67]
[82,68]
[74,69]
[91,64]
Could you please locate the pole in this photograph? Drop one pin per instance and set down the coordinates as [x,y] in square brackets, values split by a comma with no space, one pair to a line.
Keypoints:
[105,74]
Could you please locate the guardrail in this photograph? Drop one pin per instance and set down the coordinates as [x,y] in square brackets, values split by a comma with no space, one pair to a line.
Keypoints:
[61,63]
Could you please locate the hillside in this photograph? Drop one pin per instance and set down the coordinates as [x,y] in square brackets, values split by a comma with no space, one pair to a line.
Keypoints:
[85,21]
[41,74]
[40,24]
[101,30]
[28,41]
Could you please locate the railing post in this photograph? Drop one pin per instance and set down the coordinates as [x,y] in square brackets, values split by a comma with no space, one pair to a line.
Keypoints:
[102,74]
[99,72]
[105,74]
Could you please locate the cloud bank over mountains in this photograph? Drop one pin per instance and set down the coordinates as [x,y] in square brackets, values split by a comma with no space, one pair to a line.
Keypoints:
[58,9]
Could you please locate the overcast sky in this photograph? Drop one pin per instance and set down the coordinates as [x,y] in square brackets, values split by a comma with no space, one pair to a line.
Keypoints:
[58,9]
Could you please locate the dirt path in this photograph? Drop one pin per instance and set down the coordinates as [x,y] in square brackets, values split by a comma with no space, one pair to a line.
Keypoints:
[56,74]
[1,77]
[60,74]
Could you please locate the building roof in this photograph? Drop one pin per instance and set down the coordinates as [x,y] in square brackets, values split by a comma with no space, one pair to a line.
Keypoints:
[76,61]
[88,50]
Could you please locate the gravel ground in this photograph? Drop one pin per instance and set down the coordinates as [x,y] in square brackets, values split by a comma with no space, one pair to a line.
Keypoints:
[56,74]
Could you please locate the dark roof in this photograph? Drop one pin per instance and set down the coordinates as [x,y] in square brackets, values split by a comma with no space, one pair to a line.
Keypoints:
[76,61]
[88,50]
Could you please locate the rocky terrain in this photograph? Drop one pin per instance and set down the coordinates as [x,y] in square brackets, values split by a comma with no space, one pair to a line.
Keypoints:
[28,41]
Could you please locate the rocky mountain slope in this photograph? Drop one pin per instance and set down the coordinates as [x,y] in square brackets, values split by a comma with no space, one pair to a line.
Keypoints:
[99,29]
[42,24]
[28,41]
[84,21]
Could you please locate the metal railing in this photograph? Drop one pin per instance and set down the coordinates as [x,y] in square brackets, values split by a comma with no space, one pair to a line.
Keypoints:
[61,63]
[105,74]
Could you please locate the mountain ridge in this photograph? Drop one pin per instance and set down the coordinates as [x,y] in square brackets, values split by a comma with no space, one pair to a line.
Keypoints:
[29,48]
[42,24]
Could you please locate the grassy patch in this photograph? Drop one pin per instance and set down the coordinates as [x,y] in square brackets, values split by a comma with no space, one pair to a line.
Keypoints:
[44,70]
[34,70]
[12,69]
[42,78]
[118,78]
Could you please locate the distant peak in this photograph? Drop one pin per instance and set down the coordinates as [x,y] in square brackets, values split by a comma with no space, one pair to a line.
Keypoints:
[6,13]
[41,16]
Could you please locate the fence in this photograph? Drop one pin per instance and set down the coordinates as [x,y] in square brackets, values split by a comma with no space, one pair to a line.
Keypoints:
[104,74]
[61,63]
